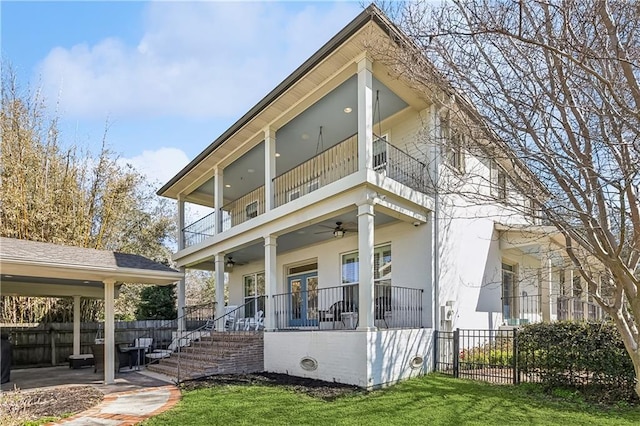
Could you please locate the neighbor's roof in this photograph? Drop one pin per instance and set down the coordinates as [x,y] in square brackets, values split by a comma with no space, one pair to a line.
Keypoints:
[371,13]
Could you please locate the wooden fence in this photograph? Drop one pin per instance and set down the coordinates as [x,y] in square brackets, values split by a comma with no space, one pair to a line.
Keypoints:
[51,344]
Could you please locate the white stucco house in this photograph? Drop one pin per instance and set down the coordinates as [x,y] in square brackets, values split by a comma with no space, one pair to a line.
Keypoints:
[325,201]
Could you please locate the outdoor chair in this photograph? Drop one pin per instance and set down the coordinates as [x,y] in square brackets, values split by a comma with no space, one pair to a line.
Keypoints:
[256,322]
[143,342]
[121,359]
[230,317]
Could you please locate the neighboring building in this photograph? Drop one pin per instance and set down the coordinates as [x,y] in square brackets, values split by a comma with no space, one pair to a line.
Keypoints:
[326,201]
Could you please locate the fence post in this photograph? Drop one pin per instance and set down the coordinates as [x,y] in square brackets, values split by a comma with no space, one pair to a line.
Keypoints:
[456,353]
[516,372]
[436,355]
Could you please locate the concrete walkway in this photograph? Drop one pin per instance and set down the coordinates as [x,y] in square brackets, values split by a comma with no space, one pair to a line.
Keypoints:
[126,408]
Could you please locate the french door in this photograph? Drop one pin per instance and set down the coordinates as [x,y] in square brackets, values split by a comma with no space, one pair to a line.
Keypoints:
[303,289]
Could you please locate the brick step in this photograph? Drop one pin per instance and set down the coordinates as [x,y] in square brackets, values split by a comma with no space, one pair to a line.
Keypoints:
[231,337]
[216,350]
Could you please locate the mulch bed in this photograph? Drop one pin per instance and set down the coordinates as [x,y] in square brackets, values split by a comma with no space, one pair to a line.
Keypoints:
[20,406]
[315,388]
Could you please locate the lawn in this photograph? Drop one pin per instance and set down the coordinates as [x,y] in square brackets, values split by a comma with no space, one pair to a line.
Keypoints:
[431,400]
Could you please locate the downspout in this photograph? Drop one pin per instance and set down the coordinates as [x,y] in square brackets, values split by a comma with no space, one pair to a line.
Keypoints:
[435,254]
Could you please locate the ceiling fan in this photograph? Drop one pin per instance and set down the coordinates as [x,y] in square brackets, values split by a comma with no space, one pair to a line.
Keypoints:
[230,263]
[340,229]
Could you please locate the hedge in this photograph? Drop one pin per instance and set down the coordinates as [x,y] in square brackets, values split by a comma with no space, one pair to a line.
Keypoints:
[590,356]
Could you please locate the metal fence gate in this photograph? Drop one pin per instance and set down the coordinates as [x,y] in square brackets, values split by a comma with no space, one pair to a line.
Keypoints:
[488,355]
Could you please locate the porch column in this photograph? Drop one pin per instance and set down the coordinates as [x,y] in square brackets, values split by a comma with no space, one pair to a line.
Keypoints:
[365,267]
[218,199]
[109,332]
[270,281]
[219,277]
[545,291]
[269,167]
[180,222]
[365,114]
[181,302]
[76,325]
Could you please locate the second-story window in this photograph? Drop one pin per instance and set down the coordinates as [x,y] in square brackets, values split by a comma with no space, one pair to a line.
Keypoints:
[252,210]
[453,143]
[498,182]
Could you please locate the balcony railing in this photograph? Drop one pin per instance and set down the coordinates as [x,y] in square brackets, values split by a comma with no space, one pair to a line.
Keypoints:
[573,308]
[336,308]
[400,166]
[199,230]
[524,309]
[329,166]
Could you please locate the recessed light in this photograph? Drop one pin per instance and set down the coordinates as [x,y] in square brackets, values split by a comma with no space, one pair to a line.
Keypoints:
[8,276]
[347,110]
[227,185]
[251,170]
[277,154]
[86,282]
[305,136]
[301,232]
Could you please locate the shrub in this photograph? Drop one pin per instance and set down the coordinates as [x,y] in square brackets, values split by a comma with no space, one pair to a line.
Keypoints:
[588,356]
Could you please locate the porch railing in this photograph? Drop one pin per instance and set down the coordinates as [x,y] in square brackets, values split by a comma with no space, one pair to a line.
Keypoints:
[400,166]
[523,309]
[199,230]
[329,166]
[575,308]
[244,208]
[336,308]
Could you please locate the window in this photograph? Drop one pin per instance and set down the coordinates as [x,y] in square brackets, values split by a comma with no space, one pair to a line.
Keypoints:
[509,293]
[498,181]
[252,210]
[381,266]
[253,289]
[380,153]
[313,185]
[294,194]
[453,141]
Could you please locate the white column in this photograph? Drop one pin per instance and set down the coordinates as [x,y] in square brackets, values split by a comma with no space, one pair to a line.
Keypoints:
[218,197]
[270,280]
[76,325]
[180,222]
[182,296]
[269,167]
[365,266]
[365,115]
[219,277]
[109,332]
[545,291]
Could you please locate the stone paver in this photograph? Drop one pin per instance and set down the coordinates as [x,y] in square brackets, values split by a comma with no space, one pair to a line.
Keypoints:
[126,408]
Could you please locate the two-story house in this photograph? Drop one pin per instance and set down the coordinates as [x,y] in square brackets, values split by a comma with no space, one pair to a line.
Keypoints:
[328,218]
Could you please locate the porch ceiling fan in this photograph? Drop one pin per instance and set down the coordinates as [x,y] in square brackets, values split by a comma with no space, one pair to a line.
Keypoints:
[230,263]
[339,230]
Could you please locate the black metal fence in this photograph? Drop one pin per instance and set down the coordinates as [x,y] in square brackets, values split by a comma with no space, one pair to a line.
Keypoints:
[488,355]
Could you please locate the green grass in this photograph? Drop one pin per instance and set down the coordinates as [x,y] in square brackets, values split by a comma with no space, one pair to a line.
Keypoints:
[431,400]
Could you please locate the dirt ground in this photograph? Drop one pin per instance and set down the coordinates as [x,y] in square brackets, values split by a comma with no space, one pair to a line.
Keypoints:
[20,406]
[311,387]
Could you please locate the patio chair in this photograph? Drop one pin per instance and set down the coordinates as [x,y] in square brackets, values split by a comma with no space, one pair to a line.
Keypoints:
[256,322]
[121,359]
[230,317]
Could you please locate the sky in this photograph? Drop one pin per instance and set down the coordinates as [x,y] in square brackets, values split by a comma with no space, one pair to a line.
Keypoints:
[164,78]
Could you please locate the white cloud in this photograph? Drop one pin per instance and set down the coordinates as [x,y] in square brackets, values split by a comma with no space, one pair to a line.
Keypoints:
[195,59]
[159,165]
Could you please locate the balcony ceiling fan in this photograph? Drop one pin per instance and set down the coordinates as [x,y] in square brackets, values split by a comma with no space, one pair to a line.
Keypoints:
[340,229]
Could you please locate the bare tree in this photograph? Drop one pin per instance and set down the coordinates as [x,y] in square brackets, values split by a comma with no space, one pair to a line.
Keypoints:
[554,85]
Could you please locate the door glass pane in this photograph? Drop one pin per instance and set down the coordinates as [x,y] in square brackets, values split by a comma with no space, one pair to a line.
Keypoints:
[507,291]
[312,298]
[296,299]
